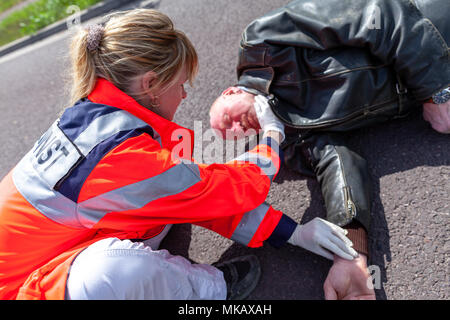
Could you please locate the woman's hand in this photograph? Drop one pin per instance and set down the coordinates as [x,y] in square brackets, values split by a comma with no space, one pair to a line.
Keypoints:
[323,238]
[438,115]
[267,119]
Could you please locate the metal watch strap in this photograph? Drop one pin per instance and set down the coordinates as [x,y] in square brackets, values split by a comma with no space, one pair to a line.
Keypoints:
[442,96]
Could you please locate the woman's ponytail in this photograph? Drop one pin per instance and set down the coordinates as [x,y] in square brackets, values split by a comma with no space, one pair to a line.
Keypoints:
[84,73]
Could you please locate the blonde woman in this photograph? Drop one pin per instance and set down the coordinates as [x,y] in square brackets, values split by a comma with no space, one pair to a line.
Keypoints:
[83,213]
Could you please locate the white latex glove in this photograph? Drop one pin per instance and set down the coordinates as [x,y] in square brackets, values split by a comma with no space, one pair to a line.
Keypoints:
[438,115]
[267,120]
[323,238]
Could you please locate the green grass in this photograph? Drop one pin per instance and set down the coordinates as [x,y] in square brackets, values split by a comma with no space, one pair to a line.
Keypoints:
[6,4]
[36,16]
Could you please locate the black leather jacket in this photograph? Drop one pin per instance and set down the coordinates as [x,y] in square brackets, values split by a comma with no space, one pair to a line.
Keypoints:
[337,65]
[342,64]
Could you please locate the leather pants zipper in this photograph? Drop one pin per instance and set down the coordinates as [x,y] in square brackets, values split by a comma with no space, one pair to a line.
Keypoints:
[350,205]
[350,208]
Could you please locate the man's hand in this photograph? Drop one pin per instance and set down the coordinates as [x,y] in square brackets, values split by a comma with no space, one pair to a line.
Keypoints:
[349,280]
[438,115]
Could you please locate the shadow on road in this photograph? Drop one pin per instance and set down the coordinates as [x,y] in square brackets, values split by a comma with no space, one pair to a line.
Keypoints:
[178,239]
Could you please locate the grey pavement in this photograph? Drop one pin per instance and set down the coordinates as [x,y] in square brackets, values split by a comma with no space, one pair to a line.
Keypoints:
[410,164]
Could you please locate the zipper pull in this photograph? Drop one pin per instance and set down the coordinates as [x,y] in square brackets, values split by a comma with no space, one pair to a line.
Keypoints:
[351,208]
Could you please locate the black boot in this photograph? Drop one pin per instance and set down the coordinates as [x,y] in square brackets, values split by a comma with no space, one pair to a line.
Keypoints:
[241,276]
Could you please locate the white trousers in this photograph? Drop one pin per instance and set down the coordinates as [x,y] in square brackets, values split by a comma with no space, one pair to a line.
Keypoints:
[112,269]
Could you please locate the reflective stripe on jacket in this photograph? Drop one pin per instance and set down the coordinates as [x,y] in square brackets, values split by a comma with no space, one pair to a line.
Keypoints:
[110,168]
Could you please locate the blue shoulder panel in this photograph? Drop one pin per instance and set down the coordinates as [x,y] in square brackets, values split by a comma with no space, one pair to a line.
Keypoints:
[78,117]
[75,121]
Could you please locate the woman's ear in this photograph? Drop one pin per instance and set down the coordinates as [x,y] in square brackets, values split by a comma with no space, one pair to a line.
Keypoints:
[148,82]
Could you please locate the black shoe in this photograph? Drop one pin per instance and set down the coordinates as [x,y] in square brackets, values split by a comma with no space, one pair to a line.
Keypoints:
[241,276]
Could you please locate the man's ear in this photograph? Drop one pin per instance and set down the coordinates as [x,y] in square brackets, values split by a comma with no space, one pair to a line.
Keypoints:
[231,90]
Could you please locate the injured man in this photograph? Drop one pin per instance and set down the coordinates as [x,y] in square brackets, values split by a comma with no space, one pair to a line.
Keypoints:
[326,68]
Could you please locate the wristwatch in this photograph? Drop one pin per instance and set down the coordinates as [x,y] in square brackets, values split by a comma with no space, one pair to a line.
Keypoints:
[441,97]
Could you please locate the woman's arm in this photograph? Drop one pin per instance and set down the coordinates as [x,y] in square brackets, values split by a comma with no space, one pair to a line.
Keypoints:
[138,186]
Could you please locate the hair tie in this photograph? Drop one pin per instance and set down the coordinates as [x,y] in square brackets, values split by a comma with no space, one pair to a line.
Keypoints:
[95,35]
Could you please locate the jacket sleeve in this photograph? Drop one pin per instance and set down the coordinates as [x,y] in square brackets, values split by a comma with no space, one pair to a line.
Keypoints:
[394,31]
[138,186]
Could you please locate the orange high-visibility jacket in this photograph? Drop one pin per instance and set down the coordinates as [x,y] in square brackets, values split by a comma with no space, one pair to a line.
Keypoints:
[106,168]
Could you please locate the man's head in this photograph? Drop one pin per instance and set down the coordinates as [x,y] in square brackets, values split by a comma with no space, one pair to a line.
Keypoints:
[233,113]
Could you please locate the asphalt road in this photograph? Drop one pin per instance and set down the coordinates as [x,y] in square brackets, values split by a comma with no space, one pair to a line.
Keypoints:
[409,164]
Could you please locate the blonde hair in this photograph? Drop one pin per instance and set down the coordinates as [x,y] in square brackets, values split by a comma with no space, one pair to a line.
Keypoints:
[132,43]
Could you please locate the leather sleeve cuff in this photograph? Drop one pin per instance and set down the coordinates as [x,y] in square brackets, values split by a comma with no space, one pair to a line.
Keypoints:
[358,235]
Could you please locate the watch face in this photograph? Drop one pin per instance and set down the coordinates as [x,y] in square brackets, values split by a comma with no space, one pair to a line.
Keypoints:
[442,96]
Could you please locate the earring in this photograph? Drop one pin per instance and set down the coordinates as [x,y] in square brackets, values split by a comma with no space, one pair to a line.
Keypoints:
[154,103]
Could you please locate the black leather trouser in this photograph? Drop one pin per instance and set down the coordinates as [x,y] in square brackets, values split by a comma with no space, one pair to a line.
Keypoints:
[342,174]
